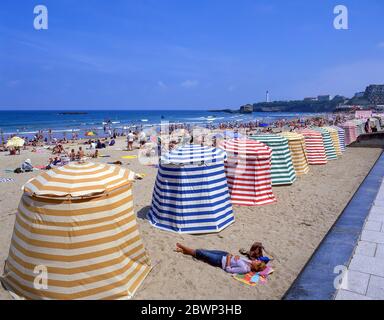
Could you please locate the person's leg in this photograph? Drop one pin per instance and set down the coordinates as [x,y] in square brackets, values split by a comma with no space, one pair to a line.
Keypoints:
[213,257]
[185,250]
[220,252]
[209,256]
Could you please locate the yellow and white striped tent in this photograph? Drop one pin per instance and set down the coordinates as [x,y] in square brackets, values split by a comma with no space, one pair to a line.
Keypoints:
[296,144]
[76,236]
[335,139]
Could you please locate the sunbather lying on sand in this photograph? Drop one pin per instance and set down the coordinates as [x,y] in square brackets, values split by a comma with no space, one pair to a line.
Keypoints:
[222,259]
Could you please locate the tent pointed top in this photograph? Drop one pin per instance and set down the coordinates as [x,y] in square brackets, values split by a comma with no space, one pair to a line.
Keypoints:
[79,180]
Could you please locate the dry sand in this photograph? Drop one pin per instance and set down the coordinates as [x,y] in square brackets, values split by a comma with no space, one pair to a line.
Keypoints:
[290,229]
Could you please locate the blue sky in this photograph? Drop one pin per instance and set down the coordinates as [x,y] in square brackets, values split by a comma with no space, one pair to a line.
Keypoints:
[185,54]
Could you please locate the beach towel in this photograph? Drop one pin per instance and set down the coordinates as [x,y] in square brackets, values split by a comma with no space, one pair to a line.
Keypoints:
[253,278]
[104,156]
[4,180]
[128,157]
[42,167]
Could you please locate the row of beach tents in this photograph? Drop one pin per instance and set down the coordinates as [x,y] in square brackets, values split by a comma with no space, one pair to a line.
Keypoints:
[76,234]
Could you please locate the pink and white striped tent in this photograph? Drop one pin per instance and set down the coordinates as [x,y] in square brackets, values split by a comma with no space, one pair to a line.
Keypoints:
[248,171]
[350,129]
[314,146]
[363,114]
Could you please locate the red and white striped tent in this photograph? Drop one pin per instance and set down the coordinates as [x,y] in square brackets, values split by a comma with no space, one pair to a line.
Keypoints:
[248,170]
[314,146]
[350,129]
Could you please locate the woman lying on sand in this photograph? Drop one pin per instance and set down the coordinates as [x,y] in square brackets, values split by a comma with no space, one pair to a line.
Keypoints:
[222,259]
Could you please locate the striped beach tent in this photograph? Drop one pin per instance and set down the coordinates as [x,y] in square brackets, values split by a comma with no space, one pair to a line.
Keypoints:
[350,130]
[360,126]
[330,150]
[341,135]
[248,170]
[335,139]
[191,192]
[296,143]
[314,147]
[76,235]
[282,171]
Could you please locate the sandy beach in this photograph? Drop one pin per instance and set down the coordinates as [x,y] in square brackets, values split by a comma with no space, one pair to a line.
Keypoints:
[290,230]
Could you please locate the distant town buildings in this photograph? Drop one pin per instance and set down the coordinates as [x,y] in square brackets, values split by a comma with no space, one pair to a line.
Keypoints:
[375,94]
[318,98]
[359,94]
[323,98]
[371,99]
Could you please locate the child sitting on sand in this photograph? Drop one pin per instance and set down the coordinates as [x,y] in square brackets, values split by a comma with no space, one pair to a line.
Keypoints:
[223,259]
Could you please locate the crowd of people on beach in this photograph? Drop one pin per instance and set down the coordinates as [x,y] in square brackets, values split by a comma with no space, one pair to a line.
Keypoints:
[175,134]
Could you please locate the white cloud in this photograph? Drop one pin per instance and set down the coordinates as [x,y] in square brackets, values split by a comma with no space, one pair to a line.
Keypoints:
[343,79]
[162,85]
[189,83]
[231,88]
[13,83]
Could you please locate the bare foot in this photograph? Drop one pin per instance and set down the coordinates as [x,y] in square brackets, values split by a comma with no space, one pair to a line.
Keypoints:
[179,248]
[184,249]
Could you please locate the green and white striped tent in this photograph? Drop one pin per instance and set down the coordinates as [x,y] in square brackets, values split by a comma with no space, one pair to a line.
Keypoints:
[282,171]
[330,149]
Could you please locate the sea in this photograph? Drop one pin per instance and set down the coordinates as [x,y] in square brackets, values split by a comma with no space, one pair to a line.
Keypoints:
[65,122]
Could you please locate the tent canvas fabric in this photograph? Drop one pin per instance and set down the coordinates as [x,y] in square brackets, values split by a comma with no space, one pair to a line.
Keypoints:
[359,126]
[341,135]
[299,156]
[282,171]
[191,192]
[350,130]
[77,223]
[314,146]
[248,171]
[335,139]
[330,150]
[375,122]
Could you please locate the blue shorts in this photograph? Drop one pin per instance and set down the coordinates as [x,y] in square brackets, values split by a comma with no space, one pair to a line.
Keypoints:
[213,257]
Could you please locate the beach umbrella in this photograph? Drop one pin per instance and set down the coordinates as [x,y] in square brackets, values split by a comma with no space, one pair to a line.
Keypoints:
[314,147]
[296,144]
[191,192]
[77,223]
[90,134]
[282,171]
[350,130]
[341,135]
[248,170]
[330,150]
[15,142]
[335,139]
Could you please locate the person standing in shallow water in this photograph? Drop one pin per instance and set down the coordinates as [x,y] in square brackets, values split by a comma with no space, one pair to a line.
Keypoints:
[130,139]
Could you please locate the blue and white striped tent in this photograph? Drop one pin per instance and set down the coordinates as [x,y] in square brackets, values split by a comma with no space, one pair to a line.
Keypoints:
[191,193]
